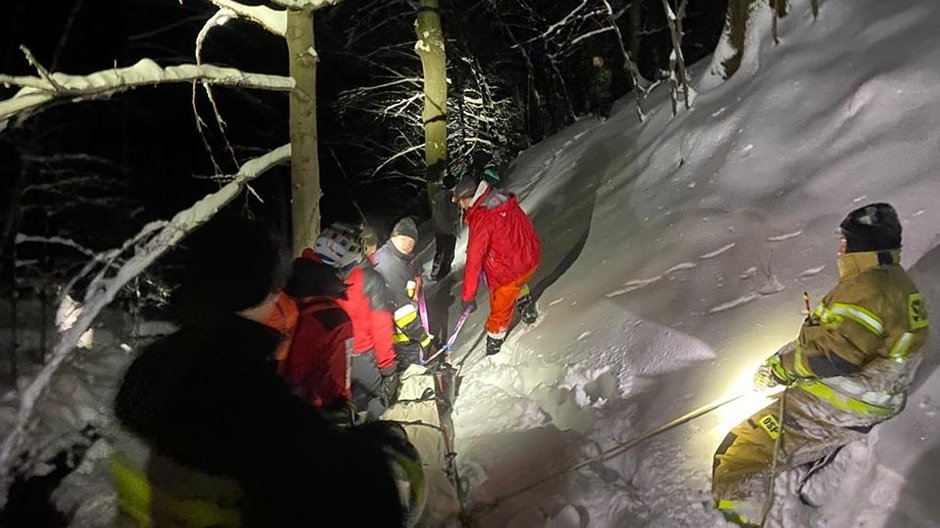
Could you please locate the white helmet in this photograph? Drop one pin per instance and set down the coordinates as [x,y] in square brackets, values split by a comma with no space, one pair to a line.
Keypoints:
[338,246]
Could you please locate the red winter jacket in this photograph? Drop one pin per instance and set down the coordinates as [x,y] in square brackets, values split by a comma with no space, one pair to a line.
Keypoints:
[502,241]
[317,364]
[371,319]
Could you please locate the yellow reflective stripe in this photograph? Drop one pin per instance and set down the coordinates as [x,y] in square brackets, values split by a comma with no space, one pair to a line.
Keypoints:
[861,316]
[416,489]
[133,491]
[799,361]
[399,338]
[426,341]
[734,508]
[524,290]
[902,346]
[403,317]
[841,401]
[135,497]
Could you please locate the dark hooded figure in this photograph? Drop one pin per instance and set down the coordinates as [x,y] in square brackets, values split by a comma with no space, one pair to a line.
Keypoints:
[212,436]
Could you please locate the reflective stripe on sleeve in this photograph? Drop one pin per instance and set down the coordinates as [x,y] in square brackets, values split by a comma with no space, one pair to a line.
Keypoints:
[842,401]
[902,346]
[854,312]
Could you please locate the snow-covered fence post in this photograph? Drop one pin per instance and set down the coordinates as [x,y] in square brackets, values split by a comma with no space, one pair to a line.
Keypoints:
[151,242]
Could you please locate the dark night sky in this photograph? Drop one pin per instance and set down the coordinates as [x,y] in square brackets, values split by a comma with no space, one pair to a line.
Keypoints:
[150,132]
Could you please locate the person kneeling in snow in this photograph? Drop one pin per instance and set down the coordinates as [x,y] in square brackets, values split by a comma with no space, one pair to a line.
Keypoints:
[849,369]
[212,436]
[503,245]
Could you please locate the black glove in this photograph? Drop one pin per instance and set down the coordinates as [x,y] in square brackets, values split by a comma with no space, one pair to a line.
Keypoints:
[471,304]
[390,383]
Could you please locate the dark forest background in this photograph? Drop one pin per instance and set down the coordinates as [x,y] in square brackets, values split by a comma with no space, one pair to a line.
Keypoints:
[94,173]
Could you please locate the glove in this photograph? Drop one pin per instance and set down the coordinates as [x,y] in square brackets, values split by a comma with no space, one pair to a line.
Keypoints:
[471,304]
[433,345]
[390,382]
[772,373]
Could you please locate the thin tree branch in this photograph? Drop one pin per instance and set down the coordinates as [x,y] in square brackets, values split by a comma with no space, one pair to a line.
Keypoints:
[38,92]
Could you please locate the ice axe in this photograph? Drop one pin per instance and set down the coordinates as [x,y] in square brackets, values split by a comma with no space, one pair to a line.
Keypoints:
[453,336]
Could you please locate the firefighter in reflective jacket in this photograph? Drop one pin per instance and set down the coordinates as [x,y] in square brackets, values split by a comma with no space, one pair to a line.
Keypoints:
[849,369]
[395,262]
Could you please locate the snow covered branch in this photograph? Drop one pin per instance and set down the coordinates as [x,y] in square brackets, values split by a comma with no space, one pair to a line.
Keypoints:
[148,246]
[270,19]
[39,91]
[21,238]
[305,4]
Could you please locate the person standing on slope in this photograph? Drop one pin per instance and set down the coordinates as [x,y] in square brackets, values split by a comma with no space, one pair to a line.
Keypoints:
[395,262]
[505,247]
[849,369]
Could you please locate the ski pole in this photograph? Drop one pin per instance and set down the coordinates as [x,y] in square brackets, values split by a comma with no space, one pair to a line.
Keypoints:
[453,336]
[621,447]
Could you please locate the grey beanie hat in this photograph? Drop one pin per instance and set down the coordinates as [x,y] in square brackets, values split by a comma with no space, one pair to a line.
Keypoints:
[406,227]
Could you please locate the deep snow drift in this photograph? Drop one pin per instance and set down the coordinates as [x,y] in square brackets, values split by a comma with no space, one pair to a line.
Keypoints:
[675,256]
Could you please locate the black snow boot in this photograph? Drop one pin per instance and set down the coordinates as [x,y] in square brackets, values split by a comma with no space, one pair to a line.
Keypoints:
[527,309]
[493,345]
[443,256]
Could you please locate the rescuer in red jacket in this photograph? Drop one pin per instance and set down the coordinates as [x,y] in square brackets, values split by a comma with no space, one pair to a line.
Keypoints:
[374,366]
[317,362]
[503,245]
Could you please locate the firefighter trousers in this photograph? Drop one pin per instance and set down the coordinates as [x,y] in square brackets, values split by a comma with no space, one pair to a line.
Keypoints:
[742,463]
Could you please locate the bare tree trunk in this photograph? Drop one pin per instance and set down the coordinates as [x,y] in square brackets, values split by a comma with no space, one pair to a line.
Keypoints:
[430,48]
[678,77]
[636,28]
[739,11]
[779,8]
[305,167]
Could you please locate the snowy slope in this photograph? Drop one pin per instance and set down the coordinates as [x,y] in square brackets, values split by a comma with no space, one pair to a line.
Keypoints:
[675,256]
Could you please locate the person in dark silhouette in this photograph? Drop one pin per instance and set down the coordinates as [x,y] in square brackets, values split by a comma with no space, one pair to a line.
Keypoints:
[213,436]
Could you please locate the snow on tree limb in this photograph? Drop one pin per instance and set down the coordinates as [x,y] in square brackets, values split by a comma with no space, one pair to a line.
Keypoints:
[38,91]
[305,4]
[270,19]
[152,245]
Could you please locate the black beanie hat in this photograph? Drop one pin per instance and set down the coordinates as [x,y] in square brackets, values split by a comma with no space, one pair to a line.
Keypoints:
[466,187]
[310,278]
[406,227]
[230,264]
[874,227]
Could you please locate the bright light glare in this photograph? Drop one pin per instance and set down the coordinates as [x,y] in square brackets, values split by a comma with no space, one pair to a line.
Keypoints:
[737,411]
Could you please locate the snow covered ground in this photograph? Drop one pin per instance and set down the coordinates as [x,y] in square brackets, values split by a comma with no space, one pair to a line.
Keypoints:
[675,256]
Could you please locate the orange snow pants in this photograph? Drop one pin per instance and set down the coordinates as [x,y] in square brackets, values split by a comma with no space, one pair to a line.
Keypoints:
[502,302]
